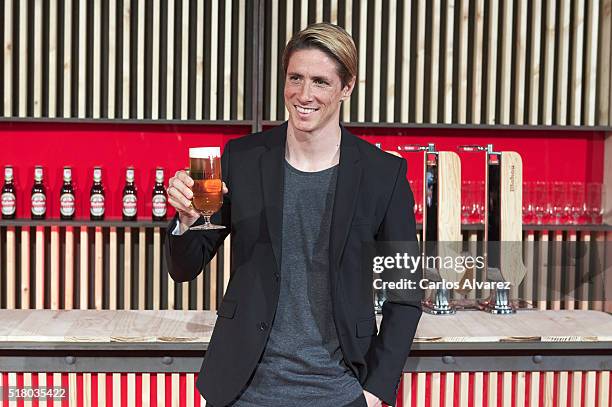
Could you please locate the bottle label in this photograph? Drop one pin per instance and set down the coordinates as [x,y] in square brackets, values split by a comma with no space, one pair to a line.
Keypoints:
[39,206]
[129,205]
[8,203]
[97,204]
[67,204]
[8,173]
[159,205]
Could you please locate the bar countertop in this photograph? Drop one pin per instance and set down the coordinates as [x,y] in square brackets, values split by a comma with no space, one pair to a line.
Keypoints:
[191,330]
[175,341]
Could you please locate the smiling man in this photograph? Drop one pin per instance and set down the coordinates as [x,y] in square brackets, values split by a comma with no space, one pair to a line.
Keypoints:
[296,326]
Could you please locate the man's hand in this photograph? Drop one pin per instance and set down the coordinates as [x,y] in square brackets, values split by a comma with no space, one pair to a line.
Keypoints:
[371,399]
[179,196]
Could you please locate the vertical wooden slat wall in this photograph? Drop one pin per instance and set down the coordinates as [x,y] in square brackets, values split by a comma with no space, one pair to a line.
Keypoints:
[518,62]
[120,267]
[99,267]
[541,62]
[127,59]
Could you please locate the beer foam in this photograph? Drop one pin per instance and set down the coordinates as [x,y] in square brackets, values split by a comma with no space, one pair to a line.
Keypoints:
[204,152]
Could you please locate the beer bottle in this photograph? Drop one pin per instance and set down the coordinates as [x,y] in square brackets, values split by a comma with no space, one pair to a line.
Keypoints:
[67,206]
[96,197]
[159,196]
[129,196]
[8,194]
[39,198]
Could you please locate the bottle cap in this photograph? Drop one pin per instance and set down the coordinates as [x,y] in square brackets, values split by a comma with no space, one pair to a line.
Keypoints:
[159,175]
[38,173]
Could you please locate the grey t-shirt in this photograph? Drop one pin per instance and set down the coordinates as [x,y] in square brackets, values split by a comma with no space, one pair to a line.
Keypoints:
[302,363]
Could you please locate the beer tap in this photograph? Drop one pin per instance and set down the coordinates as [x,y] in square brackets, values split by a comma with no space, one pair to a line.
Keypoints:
[441,223]
[502,226]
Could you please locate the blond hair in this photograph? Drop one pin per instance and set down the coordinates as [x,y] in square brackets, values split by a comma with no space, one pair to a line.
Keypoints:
[332,40]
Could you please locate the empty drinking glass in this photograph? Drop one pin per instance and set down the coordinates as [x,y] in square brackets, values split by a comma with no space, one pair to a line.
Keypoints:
[594,193]
[577,202]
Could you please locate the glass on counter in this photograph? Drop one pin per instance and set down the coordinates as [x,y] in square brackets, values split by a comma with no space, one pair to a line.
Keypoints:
[562,203]
[472,202]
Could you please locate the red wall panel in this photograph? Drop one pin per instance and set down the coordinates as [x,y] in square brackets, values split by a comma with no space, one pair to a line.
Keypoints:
[112,146]
[555,155]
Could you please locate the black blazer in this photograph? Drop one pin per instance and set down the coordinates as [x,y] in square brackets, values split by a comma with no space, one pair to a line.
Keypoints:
[373,202]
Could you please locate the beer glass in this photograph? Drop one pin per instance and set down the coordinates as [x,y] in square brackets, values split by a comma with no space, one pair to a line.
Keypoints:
[205,170]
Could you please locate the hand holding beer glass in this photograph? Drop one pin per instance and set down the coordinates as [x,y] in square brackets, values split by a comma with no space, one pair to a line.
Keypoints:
[201,191]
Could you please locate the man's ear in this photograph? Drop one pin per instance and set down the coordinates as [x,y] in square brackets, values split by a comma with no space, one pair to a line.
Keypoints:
[348,89]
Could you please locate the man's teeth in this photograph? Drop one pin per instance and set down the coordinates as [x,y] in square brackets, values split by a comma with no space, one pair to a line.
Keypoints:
[304,110]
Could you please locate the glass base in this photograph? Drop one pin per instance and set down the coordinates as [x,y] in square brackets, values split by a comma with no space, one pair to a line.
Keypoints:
[208,226]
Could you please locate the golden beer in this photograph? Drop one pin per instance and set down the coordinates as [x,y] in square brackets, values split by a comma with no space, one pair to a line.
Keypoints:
[207,186]
[205,170]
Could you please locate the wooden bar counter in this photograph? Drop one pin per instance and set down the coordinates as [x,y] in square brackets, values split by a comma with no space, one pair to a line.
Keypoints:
[32,337]
[463,351]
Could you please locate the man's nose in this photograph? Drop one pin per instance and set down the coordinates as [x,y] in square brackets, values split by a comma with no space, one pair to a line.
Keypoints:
[305,94]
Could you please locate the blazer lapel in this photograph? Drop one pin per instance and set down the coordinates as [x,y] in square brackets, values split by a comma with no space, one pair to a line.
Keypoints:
[273,180]
[347,191]
[347,188]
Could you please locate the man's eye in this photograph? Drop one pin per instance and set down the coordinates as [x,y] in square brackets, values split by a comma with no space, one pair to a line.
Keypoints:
[294,78]
[320,82]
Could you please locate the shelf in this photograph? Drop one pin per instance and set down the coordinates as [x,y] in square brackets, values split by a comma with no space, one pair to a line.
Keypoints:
[552,228]
[44,120]
[267,123]
[384,125]
[162,224]
[147,223]
[578,228]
